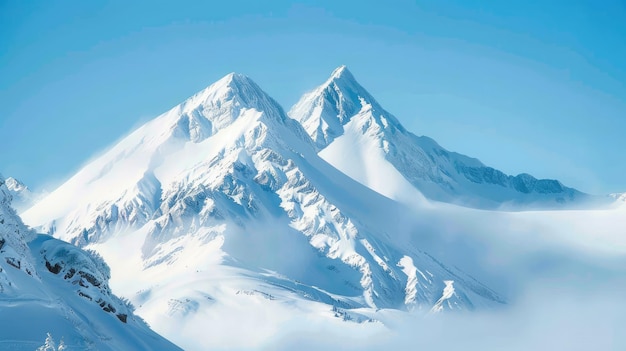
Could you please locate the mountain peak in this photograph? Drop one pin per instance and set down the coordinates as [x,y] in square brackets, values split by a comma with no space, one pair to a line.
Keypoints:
[233,79]
[341,72]
[324,111]
[228,87]
[341,79]
[219,105]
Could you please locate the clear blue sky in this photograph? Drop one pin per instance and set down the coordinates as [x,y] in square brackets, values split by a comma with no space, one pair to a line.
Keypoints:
[525,86]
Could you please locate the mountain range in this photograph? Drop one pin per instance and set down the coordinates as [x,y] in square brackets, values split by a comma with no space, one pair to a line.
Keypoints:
[226,204]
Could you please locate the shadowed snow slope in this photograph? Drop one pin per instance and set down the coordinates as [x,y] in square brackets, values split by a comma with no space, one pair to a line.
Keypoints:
[47,285]
[223,201]
[356,135]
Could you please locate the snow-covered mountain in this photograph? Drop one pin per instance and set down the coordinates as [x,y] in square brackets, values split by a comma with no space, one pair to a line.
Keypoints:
[360,138]
[23,197]
[223,201]
[49,286]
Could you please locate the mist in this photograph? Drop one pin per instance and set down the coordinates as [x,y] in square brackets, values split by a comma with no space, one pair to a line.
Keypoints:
[563,274]
[549,317]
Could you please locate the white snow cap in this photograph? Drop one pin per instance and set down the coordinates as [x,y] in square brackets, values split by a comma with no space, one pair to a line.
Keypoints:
[324,111]
[340,72]
[345,80]
[233,86]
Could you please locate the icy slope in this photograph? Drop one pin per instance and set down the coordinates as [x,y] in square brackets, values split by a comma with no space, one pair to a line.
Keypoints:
[356,135]
[224,197]
[47,285]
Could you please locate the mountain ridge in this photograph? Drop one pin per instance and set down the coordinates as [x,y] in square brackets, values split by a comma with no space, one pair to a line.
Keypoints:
[341,105]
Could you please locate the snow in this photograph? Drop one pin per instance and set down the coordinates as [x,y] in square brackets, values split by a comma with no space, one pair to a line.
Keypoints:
[339,72]
[448,292]
[362,158]
[408,268]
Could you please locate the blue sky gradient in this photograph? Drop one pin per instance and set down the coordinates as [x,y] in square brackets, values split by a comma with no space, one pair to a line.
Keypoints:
[525,86]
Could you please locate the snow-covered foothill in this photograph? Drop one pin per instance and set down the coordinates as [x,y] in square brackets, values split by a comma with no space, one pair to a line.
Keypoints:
[49,287]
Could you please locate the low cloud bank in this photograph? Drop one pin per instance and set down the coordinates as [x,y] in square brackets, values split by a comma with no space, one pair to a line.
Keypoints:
[564,273]
[552,315]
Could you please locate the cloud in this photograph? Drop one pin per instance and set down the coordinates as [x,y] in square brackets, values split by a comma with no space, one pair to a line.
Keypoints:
[552,315]
[564,272]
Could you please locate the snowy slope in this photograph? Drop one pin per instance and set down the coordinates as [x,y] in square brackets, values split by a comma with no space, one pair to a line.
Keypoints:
[356,135]
[223,201]
[49,286]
